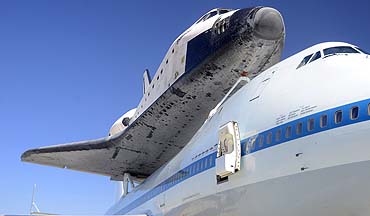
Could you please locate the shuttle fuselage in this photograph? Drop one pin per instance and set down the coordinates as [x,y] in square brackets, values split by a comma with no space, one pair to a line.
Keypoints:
[199,68]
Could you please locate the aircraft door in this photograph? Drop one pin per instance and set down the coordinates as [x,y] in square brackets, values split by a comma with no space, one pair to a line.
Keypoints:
[228,151]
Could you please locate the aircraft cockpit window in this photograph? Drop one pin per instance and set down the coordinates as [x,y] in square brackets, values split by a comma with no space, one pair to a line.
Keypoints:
[316,56]
[339,50]
[304,61]
[363,51]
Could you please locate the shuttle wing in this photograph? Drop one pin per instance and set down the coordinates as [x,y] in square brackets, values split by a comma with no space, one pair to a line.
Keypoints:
[151,140]
[95,156]
[130,151]
[145,145]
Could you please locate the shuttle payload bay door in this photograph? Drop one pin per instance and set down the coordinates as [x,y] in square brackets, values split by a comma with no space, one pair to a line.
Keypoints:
[228,151]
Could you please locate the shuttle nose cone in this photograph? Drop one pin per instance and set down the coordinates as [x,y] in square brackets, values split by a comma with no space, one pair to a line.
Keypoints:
[268,24]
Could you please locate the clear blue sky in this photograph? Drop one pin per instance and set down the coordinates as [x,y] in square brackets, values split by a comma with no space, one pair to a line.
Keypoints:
[69,69]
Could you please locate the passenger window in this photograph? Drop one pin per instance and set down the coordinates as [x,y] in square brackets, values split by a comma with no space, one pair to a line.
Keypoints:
[323,121]
[304,61]
[316,56]
[253,144]
[269,138]
[338,117]
[278,135]
[354,113]
[310,124]
[260,140]
[298,129]
[368,109]
[288,132]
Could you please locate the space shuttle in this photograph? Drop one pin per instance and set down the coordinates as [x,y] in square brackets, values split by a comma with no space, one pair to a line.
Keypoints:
[197,71]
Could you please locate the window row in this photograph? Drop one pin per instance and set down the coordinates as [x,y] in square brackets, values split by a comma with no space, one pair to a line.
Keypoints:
[179,176]
[191,170]
[297,129]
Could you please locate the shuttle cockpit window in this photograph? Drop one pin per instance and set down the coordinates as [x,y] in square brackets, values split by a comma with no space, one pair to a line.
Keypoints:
[339,50]
[223,11]
[212,14]
[207,16]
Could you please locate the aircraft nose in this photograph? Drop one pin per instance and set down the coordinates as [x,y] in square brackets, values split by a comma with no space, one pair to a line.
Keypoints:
[268,24]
